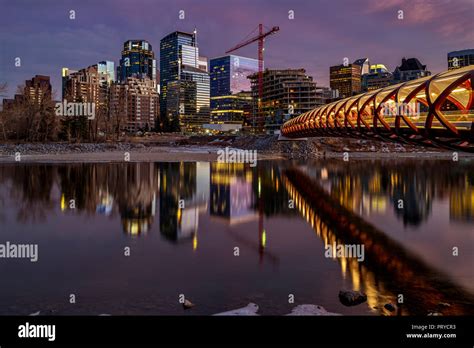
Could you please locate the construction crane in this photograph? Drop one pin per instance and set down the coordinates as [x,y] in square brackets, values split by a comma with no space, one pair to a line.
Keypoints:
[260,38]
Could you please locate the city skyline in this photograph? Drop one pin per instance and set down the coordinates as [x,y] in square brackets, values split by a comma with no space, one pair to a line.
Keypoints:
[50,40]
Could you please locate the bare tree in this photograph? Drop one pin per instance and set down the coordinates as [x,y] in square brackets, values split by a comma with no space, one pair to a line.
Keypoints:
[3,90]
[31,119]
[118,108]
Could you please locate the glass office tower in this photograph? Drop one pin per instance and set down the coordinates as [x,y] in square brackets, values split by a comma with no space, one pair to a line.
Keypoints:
[171,58]
[229,82]
[138,60]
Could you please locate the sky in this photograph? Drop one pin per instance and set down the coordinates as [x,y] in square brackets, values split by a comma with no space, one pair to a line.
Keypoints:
[322,32]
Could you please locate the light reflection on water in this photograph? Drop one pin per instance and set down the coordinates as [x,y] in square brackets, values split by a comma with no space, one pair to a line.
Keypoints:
[182,222]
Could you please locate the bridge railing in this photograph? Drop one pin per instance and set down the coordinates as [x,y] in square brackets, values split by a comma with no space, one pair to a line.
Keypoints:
[435,109]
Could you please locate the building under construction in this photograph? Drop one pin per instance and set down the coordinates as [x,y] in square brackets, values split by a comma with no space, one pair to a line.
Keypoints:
[286,93]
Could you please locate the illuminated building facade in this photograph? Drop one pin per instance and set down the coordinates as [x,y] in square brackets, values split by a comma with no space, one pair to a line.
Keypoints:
[378,77]
[91,85]
[180,61]
[138,60]
[345,79]
[364,65]
[231,100]
[136,102]
[36,91]
[445,115]
[459,59]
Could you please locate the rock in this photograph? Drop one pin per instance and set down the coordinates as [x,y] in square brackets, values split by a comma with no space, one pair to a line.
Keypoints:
[444,304]
[188,304]
[352,298]
[389,307]
[310,309]
[250,309]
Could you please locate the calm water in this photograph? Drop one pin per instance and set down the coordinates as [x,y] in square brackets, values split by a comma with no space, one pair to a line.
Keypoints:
[183,221]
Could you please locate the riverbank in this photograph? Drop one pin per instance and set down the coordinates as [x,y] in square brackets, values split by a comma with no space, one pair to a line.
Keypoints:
[205,148]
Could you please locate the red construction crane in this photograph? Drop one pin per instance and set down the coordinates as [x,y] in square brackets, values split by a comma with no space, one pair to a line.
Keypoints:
[260,38]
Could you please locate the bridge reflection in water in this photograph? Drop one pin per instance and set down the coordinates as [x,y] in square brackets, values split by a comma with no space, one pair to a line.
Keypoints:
[234,204]
[388,269]
[436,110]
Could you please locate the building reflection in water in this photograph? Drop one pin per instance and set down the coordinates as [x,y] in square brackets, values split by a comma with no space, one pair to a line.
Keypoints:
[410,188]
[181,200]
[134,190]
[461,199]
[231,194]
[147,195]
[388,269]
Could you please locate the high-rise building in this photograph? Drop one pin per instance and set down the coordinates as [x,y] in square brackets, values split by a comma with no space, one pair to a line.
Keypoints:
[171,56]
[346,79]
[364,65]
[230,87]
[38,89]
[286,93]
[232,109]
[202,86]
[180,61]
[107,69]
[134,104]
[410,69]
[378,77]
[188,99]
[181,102]
[459,59]
[138,60]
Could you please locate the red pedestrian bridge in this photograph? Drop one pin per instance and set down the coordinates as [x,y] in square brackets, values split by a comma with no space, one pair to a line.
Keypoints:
[435,110]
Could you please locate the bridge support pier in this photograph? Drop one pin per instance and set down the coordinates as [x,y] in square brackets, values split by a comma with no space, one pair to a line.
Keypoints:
[283,138]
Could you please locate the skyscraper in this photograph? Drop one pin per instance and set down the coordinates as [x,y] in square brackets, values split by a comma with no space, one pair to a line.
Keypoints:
[134,104]
[410,69]
[202,63]
[345,79]
[364,65]
[180,61]
[229,78]
[171,56]
[138,60]
[91,85]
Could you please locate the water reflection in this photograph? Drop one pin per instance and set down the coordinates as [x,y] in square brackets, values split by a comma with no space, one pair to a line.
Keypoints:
[340,201]
[409,188]
[389,269]
[136,191]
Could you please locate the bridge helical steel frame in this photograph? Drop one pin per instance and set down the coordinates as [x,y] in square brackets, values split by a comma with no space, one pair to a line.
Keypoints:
[434,110]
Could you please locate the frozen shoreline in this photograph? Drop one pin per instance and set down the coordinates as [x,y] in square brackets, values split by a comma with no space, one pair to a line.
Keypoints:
[187,149]
[170,154]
